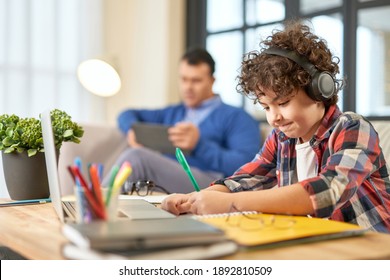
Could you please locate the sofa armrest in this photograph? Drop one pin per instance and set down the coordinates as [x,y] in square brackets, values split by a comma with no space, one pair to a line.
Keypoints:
[99,144]
[383,129]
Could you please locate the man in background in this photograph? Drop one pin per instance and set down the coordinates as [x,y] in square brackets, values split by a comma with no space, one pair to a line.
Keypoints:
[219,138]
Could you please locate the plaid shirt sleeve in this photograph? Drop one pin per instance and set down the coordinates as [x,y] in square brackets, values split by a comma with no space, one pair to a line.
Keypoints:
[354,179]
[265,162]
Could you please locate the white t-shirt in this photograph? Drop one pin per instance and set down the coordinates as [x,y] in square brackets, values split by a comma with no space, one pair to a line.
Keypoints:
[306,161]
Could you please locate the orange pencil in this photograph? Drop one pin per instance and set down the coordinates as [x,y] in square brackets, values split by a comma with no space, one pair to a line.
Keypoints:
[93,172]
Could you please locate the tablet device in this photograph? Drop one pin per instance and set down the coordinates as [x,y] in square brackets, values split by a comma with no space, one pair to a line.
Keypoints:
[153,136]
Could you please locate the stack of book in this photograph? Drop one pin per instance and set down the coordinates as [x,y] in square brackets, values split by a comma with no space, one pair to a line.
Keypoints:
[177,238]
[197,237]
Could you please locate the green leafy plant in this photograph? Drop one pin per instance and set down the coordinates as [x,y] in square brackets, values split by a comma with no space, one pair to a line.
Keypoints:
[25,134]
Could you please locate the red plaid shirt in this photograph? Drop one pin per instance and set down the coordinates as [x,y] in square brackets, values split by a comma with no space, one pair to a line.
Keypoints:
[352,184]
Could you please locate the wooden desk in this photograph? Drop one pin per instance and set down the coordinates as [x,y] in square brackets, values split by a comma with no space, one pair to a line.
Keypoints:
[34,232]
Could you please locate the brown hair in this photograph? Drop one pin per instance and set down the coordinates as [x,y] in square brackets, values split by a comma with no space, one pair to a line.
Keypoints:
[197,56]
[281,74]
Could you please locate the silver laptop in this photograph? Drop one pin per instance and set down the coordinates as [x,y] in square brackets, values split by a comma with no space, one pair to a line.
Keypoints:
[128,209]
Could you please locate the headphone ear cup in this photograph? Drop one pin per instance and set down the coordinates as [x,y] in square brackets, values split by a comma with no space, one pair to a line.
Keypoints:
[322,86]
[313,90]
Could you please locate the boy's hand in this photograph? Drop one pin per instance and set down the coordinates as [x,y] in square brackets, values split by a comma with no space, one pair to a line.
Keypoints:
[176,203]
[209,202]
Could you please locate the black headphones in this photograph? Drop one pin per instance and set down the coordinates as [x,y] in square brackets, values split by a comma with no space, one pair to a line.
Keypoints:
[322,85]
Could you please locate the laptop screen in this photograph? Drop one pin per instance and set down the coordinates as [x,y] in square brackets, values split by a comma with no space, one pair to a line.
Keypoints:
[51,163]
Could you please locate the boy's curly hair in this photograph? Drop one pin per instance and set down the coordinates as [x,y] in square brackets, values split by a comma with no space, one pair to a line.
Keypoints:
[282,75]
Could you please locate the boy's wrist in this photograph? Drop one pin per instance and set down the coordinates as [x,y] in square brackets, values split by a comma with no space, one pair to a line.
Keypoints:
[220,188]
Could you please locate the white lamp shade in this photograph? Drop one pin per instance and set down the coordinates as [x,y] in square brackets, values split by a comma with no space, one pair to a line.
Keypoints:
[99,77]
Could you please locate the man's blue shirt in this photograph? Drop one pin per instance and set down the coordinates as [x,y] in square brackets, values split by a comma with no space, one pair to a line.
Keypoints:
[229,136]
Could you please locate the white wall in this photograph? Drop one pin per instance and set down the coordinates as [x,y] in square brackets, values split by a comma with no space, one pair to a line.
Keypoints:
[147,39]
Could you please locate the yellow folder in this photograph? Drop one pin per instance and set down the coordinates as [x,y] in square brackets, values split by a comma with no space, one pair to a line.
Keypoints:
[249,229]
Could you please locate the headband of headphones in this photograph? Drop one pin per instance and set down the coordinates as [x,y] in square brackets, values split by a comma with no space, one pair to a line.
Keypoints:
[322,86]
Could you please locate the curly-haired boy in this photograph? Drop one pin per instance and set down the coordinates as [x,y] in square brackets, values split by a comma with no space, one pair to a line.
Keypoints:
[317,161]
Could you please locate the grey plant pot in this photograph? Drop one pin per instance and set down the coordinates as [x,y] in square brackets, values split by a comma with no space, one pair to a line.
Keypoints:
[25,177]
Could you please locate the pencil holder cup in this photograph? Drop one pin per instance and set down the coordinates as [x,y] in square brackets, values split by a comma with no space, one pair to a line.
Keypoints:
[91,206]
[83,211]
[111,203]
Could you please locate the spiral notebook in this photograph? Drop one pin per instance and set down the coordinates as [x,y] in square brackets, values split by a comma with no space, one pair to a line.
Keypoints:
[255,229]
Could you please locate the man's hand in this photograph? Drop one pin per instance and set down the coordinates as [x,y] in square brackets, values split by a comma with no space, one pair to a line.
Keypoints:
[131,139]
[184,135]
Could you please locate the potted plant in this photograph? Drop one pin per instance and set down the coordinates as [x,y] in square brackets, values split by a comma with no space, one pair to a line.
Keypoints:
[22,149]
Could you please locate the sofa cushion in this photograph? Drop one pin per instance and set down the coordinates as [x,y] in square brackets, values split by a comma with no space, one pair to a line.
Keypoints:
[99,144]
[383,129]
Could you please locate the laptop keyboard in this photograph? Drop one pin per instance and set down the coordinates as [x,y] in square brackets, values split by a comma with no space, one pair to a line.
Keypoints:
[70,209]
[137,209]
